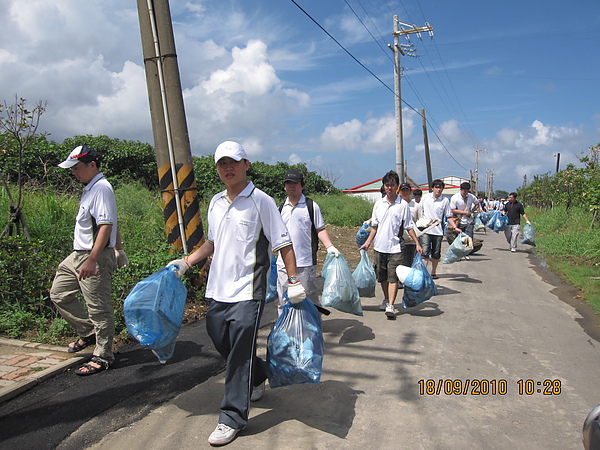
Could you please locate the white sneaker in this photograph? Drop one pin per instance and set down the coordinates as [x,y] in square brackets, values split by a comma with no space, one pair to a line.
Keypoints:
[514,250]
[222,435]
[467,257]
[257,392]
[384,304]
[390,311]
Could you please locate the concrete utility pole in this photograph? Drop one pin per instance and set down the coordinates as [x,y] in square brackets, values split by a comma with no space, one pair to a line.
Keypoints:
[169,127]
[403,49]
[427,157]
[489,182]
[477,150]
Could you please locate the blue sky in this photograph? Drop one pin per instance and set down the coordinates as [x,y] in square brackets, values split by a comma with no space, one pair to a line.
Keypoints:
[518,79]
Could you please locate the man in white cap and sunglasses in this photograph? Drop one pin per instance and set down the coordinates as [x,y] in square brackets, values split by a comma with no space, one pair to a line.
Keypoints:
[244,224]
[97,251]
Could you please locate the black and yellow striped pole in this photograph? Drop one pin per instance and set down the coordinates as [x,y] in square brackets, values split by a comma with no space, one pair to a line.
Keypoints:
[188,199]
[169,127]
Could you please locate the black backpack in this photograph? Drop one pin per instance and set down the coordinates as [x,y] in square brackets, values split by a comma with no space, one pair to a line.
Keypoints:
[314,237]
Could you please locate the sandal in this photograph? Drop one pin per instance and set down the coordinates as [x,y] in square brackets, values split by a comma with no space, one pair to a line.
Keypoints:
[434,276]
[91,370]
[77,347]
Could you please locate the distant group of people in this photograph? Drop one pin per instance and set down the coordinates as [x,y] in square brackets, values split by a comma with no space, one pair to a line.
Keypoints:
[245,227]
[396,212]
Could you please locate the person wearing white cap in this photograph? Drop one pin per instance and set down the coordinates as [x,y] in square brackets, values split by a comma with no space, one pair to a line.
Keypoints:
[244,224]
[88,269]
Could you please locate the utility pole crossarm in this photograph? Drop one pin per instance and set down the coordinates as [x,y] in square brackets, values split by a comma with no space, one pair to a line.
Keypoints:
[414,30]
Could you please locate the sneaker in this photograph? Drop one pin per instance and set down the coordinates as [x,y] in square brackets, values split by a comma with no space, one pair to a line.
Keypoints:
[222,435]
[467,257]
[257,392]
[514,250]
[384,304]
[390,312]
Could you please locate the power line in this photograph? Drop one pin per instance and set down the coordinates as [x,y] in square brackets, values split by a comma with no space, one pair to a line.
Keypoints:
[374,75]
[342,47]
[368,31]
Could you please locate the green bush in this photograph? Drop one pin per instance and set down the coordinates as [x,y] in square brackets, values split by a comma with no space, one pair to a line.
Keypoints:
[27,268]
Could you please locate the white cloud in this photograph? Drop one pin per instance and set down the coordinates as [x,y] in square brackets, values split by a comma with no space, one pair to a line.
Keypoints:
[543,135]
[373,136]
[114,110]
[243,97]
[250,72]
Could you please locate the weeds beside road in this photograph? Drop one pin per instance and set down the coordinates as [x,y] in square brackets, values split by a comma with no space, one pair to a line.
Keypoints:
[27,268]
[570,248]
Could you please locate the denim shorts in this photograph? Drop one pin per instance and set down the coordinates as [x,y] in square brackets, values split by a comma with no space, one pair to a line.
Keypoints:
[432,246]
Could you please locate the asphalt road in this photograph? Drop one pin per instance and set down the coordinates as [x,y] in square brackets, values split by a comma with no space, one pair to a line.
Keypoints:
[443,375]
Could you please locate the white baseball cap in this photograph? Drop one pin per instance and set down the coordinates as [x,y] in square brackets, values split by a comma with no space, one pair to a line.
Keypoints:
[81,153]
[231,150]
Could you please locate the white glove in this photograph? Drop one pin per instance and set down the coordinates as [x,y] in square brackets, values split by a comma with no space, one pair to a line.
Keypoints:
[296,292]
[528,222]
[334,251]
[122,260]
[182,267]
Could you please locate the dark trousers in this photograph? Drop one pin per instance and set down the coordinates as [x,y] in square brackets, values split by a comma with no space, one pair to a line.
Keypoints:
[409,254]
[233,328]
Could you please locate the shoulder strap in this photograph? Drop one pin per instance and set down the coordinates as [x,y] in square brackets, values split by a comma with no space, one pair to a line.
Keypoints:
[314,237]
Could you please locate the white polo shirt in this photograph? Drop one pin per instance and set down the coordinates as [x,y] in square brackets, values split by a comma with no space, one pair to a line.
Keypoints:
[243,233]
[388,217]
[458,202]
[435,209]
[297,220]
[97,203]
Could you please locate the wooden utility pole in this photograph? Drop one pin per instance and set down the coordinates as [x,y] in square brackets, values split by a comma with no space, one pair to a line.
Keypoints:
[427,158]
[169,127]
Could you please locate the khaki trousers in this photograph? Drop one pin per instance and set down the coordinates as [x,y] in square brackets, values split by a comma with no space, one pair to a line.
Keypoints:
[99,317]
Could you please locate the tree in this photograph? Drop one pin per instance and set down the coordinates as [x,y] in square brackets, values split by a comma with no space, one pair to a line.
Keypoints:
[20,124]
[501,194]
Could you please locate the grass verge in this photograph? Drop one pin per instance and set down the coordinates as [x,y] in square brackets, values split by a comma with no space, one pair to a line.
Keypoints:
[564,240]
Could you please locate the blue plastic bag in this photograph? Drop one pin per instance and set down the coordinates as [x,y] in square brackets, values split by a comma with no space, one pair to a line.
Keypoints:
[153,311]
[364,276]
[458,249]
[327,265]
[528,235]
[419,276]
[272,281]
[295,346]
[363,234]
[479,223]
[485,216]
[498,222]
[339,288]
